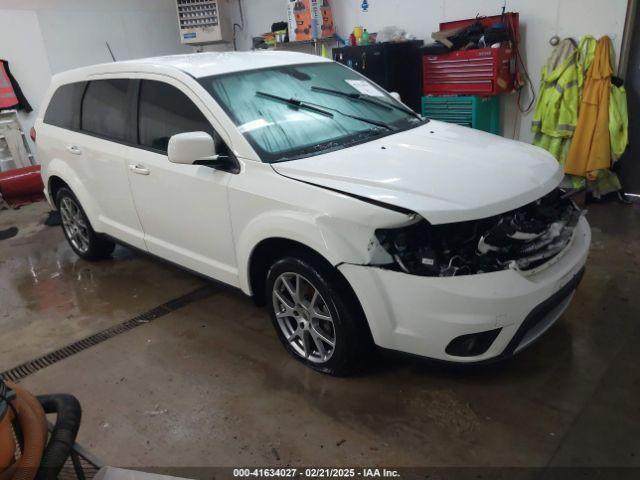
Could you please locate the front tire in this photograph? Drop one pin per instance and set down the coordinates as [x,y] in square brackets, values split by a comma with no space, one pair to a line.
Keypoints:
[77,229]
[316,317]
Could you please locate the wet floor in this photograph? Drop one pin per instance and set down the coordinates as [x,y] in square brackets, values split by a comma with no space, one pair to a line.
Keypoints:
[209,385]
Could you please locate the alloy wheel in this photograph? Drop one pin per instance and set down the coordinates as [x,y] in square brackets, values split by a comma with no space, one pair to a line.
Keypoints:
[304,317]
[74,224]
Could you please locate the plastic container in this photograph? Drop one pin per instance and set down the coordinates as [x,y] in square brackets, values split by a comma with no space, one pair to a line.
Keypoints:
[364,40]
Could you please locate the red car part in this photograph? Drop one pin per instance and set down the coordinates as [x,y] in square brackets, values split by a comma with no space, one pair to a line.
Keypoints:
[21,185]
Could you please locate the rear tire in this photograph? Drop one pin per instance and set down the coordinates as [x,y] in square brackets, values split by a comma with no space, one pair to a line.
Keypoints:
[316,316]
[77,229]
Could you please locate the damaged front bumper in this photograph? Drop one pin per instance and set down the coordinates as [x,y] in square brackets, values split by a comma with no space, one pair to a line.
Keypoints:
[423,315]
[522,239]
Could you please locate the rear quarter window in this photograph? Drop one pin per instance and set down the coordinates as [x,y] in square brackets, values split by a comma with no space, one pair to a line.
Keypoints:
[64,108]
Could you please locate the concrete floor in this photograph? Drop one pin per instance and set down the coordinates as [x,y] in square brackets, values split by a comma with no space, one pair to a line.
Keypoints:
[209,384]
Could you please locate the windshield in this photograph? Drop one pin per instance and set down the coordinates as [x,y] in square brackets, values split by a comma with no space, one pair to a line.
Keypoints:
[298,111]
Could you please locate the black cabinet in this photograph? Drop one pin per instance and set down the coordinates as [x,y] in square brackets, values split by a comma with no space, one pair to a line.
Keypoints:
[396,67]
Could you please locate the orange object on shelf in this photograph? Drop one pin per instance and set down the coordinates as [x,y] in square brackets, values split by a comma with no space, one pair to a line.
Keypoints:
[300,21]
[310,19]
[327,27]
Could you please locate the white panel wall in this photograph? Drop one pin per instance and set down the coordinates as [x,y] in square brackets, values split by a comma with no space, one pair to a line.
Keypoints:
[43,37]
[75,38]
[259,15]
[27,57]
[540,20]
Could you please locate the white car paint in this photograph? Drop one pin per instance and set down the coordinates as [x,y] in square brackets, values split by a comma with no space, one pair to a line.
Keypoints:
[445,173]
[442,171]
[423,314]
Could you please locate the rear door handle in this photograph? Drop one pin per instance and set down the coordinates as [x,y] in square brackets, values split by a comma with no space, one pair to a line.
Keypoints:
[139,169]
[74,150]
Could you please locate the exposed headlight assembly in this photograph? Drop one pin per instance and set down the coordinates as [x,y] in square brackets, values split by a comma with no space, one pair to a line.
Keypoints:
[522,239]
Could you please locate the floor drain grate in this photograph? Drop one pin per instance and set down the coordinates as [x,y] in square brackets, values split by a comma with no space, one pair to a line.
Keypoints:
[21,371]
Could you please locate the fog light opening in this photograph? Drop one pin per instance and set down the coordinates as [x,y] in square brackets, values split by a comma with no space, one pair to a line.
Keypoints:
[473,344]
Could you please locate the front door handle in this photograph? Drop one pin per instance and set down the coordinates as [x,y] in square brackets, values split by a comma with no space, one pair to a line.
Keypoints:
[74,150]
[139,169]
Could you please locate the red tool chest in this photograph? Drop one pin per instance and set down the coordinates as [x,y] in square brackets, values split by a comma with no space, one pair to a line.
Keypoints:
[484,71]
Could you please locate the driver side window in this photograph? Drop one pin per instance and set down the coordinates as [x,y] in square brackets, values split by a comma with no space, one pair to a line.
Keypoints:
[164,111]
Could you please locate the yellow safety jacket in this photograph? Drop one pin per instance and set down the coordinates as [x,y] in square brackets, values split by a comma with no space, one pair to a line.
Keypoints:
[556,112]
[618,122]
[587,52]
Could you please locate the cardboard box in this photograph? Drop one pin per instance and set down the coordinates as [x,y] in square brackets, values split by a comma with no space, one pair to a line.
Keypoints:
[309,19]
[300,21]
[325,19]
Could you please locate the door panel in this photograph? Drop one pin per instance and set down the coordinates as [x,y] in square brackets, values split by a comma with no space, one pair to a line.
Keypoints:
[101,157]
[184,213]
[183,209]
[102,168]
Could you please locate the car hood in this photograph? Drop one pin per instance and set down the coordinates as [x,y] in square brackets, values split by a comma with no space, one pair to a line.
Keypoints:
[444,172]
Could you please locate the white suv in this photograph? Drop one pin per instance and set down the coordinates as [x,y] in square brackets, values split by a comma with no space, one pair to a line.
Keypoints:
[293,178]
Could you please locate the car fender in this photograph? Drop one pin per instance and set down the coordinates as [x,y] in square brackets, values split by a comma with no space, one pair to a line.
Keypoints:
[57,167]
[335,239]
[337,226]
[291,225]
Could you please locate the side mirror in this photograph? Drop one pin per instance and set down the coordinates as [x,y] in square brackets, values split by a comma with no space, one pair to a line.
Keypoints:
[395,96]
[190,147]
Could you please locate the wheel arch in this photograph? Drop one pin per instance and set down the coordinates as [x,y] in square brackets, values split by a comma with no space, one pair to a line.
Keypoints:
[267,251]
[60,175]
[54,185]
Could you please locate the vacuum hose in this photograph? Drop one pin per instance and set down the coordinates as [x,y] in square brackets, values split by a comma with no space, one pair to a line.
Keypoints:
[7,443]
[68,411]
[17,406]
[33,427]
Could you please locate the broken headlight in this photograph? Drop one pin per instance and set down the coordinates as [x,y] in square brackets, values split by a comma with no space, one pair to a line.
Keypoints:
[524,239]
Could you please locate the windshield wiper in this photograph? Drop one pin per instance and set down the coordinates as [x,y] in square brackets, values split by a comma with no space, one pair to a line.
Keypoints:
[321,109]
[363,98]
[295,103]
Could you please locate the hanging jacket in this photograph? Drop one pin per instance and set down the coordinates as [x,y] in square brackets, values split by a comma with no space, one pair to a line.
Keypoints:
[618,121]
[556,146]
[591,146]
[11,95]
[556,113]
[586,54]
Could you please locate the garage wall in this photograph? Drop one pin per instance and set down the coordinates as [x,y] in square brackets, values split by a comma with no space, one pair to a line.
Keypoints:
[42,37]
[27,57]
[540,20]
[259,15]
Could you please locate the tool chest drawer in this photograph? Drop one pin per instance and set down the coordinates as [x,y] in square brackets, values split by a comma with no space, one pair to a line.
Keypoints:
[481,71]
[482,113]
[486,71]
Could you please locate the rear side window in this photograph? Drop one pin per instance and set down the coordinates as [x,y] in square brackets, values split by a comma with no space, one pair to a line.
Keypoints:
[165,111]
[64,107]
[105,108]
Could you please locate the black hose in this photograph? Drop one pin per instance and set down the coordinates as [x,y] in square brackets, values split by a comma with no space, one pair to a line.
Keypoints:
[68,411]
